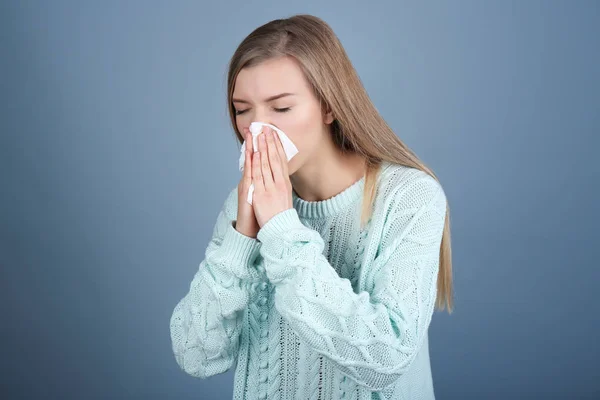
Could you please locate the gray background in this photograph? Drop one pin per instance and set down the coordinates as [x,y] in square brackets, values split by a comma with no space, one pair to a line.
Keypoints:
[116,155]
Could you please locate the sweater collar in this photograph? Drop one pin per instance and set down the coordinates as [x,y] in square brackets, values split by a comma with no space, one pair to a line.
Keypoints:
[331,206]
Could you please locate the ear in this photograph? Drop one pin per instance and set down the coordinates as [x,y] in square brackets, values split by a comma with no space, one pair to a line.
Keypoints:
[328,116]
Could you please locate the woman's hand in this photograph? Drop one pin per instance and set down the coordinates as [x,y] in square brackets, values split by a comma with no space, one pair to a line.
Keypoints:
[246,222]
[272,186]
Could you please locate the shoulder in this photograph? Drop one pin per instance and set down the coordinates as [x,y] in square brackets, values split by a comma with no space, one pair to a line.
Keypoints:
[403,188]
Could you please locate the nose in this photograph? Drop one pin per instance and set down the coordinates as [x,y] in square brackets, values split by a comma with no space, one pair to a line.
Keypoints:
[259,114]
[256,114]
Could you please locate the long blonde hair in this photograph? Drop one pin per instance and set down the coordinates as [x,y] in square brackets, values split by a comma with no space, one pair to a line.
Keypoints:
[357,127]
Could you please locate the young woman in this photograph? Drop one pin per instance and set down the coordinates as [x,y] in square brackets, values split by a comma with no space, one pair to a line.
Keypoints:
[324,287]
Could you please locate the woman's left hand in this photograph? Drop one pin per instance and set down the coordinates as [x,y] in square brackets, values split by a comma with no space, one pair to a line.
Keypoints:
[272,186]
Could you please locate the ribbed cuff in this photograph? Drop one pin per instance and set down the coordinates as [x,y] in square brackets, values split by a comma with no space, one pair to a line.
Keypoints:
[241,250]
[279,224]
[276,243]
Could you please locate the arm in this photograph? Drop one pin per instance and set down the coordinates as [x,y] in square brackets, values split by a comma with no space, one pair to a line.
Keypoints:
[206,323]
[372,337]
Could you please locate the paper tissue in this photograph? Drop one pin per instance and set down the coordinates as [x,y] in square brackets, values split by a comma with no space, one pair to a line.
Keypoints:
[256,129]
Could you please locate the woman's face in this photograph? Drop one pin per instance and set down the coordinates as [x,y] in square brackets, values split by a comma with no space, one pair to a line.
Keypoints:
[276,92]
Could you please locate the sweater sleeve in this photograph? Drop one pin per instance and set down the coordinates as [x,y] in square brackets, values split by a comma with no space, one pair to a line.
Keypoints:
[206,323]
[372,337]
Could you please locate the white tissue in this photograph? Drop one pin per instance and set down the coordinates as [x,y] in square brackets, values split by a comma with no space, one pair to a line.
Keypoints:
[255,129]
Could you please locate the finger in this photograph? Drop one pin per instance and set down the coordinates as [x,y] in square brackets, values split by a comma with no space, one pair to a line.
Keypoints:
[282,155]
[250,142]
[274,158]
[267,174]
[257,177]
[248,156]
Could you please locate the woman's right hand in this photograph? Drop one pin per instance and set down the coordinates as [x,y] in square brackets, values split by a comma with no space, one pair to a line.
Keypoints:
[246,222]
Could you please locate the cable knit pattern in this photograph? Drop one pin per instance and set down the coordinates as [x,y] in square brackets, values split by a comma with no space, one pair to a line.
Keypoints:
[316,307]
[275,361]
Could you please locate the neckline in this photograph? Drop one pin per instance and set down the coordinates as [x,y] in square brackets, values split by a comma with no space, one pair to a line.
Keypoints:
[331,206]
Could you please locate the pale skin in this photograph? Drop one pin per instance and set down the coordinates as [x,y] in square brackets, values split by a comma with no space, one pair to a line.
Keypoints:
[277,92]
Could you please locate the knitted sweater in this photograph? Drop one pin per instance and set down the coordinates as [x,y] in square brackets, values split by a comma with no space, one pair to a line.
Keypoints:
[316,307]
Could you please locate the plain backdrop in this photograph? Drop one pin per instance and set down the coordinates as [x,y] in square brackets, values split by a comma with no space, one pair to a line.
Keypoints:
[116,156]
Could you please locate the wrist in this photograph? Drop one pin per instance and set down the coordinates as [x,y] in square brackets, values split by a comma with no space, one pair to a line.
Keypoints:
[244,231]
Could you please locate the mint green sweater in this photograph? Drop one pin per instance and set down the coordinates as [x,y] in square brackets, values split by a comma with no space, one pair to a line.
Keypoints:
[316,307]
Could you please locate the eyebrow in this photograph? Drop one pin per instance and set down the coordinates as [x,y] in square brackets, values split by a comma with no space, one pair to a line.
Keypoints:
[277,96]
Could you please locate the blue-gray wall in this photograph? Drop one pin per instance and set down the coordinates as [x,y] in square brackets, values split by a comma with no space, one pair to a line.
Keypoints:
[116,155]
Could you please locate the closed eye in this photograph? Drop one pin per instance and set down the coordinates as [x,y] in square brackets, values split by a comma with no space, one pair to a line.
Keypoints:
[281,110]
